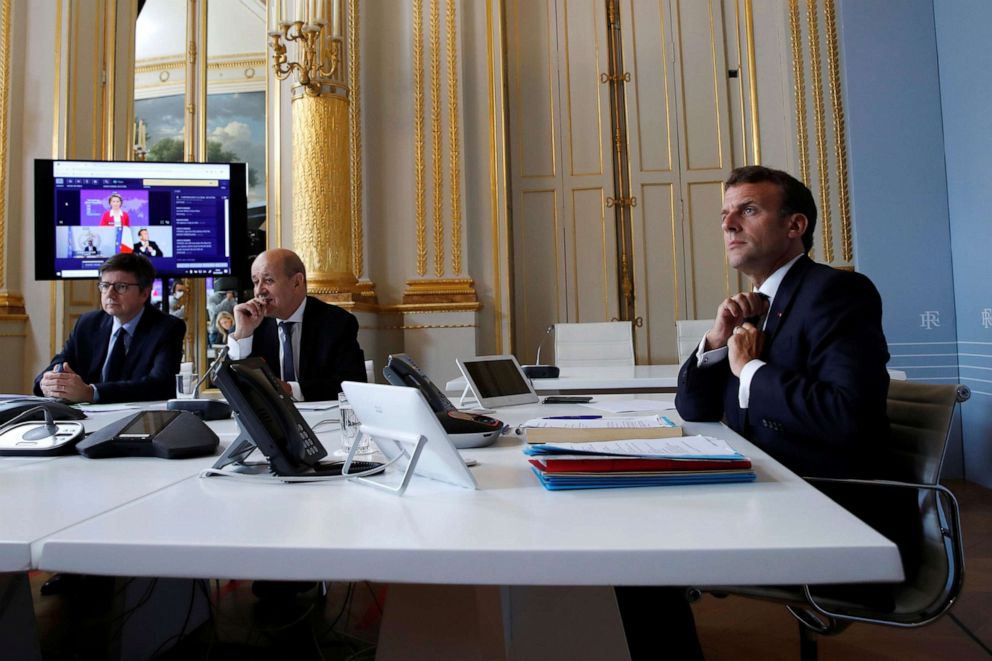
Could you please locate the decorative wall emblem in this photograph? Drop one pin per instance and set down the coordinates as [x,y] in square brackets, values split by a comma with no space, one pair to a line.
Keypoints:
[930,319]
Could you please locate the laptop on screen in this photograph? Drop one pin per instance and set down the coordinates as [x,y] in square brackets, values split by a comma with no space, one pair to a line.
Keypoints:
[497,381]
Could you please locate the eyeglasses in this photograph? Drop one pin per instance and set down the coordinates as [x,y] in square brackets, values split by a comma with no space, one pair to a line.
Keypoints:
[119,287]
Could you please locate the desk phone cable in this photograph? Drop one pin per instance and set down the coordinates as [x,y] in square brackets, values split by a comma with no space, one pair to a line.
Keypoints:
[289,479]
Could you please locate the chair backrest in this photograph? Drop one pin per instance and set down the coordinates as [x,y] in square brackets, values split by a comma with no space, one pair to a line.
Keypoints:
[920,417]
[921,516]
[689,332]
[595,344]
[370,371]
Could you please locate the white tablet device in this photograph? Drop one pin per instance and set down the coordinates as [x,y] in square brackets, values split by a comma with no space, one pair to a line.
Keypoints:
[497,381]
[405,411]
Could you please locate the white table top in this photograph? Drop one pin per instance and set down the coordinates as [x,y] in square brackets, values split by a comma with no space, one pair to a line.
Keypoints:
[606,379]
[511,531]
[601,379]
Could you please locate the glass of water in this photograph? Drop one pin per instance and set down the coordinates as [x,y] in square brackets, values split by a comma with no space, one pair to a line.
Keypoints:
[349,429]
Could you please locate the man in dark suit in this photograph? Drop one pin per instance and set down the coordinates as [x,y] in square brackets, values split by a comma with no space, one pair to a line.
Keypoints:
[312,346]
[146,246]
[808,385]
[128,351]
[796,366]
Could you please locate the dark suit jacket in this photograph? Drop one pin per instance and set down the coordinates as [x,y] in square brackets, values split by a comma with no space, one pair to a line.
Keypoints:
[151,251]
[818,406]
[152,360]
[329,350]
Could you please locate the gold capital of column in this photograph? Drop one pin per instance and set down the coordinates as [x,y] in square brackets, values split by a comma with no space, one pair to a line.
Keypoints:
[440,294]
[11,304]
[322,196]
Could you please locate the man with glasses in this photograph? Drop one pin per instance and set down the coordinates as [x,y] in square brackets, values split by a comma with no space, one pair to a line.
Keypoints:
[128,351]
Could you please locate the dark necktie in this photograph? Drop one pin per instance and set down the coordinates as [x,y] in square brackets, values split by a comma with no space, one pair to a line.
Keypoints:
[114,369]
[288,365]
[758,321]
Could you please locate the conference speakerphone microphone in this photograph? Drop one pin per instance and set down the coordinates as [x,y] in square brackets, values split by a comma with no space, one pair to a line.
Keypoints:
[164,434]
[537,370]
[40,438]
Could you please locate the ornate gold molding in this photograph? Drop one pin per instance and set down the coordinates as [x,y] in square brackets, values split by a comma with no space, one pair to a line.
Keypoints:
[428,326]
[430,308]
[418,137]
[752,68]
[799,83]
[5,36]
[218,63]
[816,79]
[12,305]
[434,38]
[454,146]
[441,291]
[496,126]
[355,144]
[840,131]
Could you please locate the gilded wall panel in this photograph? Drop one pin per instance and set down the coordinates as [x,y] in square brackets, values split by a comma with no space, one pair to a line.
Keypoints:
[701,75]
[592,249]
[652,111]
[658,278]
[707,270]
[537,263]
[582,29]
[820,127]
[532,50]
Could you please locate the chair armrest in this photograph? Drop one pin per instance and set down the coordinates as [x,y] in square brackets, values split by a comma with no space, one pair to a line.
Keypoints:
[950,529]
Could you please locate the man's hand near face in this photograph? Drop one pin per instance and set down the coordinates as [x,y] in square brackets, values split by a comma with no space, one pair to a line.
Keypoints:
[248,316]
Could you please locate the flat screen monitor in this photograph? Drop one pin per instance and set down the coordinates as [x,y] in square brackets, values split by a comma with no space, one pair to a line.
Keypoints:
[190,219]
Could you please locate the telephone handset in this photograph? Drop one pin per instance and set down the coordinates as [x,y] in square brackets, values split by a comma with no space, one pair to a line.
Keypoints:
[400,370]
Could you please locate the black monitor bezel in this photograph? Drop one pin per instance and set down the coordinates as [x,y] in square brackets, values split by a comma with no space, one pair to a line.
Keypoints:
[44,222]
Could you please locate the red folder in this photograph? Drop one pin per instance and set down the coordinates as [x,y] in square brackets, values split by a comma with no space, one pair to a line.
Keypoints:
[550,464]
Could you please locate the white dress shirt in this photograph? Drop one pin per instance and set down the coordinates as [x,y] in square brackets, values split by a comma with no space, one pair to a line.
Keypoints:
[238,349]
[709,358]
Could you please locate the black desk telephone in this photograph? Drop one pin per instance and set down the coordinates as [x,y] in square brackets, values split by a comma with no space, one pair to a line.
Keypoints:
[467,430]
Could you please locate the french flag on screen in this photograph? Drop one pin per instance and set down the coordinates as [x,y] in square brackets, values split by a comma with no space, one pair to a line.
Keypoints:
[124,241]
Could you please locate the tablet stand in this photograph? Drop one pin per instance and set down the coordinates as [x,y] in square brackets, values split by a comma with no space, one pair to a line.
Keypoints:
[465,393]
[404,443]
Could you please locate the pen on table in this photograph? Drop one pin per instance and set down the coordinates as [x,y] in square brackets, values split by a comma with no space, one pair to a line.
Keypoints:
[572,417]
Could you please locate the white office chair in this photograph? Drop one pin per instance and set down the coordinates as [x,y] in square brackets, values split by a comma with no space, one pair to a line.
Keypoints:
[608,343]
[370,371]
[689,332]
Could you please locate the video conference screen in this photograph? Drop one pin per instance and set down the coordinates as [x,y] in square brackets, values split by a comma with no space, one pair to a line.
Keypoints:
[190,219]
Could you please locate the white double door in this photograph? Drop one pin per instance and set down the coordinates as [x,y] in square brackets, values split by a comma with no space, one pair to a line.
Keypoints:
[571,254]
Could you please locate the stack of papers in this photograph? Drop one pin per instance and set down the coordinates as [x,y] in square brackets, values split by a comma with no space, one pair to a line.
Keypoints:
[638,463]
[591,428]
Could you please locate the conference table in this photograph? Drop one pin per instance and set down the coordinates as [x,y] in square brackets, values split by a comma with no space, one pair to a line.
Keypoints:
[610,379]
[501,571]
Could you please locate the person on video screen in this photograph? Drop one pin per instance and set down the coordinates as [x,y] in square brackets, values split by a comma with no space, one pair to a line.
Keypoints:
[115,215]
[145,246]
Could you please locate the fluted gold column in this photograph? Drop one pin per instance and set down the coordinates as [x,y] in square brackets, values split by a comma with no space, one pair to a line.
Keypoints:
[440,280]
[322,194]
